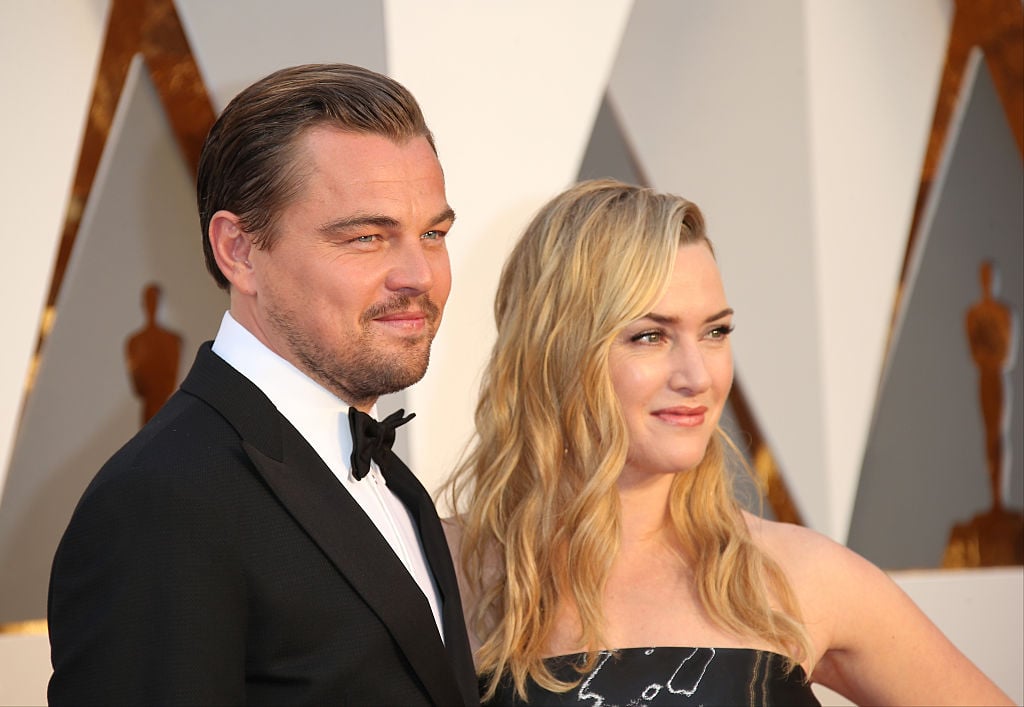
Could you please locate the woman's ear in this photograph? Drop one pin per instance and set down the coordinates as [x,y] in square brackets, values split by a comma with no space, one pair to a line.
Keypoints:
[231,247]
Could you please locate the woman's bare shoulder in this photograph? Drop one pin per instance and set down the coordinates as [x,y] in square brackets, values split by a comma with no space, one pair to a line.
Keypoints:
[452,526]
[795,545]
[798,548]
[820,571]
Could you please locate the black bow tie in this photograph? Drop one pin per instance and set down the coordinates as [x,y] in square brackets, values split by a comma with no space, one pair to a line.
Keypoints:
[372,439]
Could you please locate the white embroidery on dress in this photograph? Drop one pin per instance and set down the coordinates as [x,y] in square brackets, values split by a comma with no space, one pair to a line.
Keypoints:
[710,652]
[654,689]
[648,695]
[584,693]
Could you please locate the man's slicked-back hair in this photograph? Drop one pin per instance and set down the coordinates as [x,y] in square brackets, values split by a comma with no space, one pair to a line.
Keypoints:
[249,163]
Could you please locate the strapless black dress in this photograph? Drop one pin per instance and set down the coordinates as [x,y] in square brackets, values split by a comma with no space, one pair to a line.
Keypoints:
[638,677]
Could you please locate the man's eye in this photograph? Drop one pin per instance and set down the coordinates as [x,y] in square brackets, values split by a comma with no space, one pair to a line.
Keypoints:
[432,235]
[364,239]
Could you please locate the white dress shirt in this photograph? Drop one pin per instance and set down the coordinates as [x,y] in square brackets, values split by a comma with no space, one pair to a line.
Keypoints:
[322,419]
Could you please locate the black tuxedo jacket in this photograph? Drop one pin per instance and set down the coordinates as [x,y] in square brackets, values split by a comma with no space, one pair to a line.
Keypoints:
[215,559]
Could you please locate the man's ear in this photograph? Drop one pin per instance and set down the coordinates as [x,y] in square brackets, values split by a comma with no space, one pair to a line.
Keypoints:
[231,248]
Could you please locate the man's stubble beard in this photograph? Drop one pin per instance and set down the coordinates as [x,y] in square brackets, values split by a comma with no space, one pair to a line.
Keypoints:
[364,369]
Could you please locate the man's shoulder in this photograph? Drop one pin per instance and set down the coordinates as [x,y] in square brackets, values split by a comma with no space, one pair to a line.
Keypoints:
[184,473]
[187,445]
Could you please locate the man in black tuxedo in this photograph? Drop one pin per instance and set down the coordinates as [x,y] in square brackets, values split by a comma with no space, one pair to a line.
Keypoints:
[257,541]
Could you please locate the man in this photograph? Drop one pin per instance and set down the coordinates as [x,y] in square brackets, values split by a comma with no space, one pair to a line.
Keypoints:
[232,552]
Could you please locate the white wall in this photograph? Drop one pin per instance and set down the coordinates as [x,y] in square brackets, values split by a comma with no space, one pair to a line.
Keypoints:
[48,55]
[24,669]
[139,227]
[873,77]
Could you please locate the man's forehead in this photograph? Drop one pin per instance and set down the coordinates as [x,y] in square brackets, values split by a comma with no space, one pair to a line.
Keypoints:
[336,160]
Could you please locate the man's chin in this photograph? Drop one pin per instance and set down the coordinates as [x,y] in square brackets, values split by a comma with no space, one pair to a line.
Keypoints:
[406,369]
[396,380]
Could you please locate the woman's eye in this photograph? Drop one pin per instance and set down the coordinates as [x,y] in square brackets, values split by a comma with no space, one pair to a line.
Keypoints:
[721,332]
[648,337]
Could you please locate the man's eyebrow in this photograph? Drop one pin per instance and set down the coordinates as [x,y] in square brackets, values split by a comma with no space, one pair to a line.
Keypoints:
[377,221]
[358,221]
[663,319]
[447,215]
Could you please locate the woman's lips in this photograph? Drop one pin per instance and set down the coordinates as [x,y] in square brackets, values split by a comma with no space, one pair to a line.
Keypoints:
[682,416]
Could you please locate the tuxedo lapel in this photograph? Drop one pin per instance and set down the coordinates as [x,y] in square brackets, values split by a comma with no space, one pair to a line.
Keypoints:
[334,521]
[337,524]
[409,489]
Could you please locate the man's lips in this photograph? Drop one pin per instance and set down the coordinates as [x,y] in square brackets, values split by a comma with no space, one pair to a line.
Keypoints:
[403,320]
[682,415]
[402,311]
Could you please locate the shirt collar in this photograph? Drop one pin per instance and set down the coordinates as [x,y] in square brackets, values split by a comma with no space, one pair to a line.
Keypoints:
[318,414]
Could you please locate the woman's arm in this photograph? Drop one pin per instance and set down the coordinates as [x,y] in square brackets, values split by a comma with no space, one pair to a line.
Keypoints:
[882,649]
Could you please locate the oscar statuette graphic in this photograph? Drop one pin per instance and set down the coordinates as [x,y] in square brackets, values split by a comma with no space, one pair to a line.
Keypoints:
[152,354]
[994,537]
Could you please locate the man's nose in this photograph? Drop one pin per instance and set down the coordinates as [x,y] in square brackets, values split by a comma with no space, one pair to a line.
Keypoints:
[412,270]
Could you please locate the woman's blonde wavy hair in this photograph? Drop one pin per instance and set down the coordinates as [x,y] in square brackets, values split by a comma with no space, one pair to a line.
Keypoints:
[537,490]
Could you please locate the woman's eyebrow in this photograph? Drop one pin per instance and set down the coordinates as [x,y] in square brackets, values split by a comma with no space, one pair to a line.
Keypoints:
[666,319]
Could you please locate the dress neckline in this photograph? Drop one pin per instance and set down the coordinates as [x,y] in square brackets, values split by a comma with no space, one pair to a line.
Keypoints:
[798,670]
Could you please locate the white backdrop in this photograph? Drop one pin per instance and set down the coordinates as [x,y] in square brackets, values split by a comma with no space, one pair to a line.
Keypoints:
[783,120]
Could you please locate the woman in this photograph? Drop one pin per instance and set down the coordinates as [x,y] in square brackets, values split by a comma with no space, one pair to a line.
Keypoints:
[603,556]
